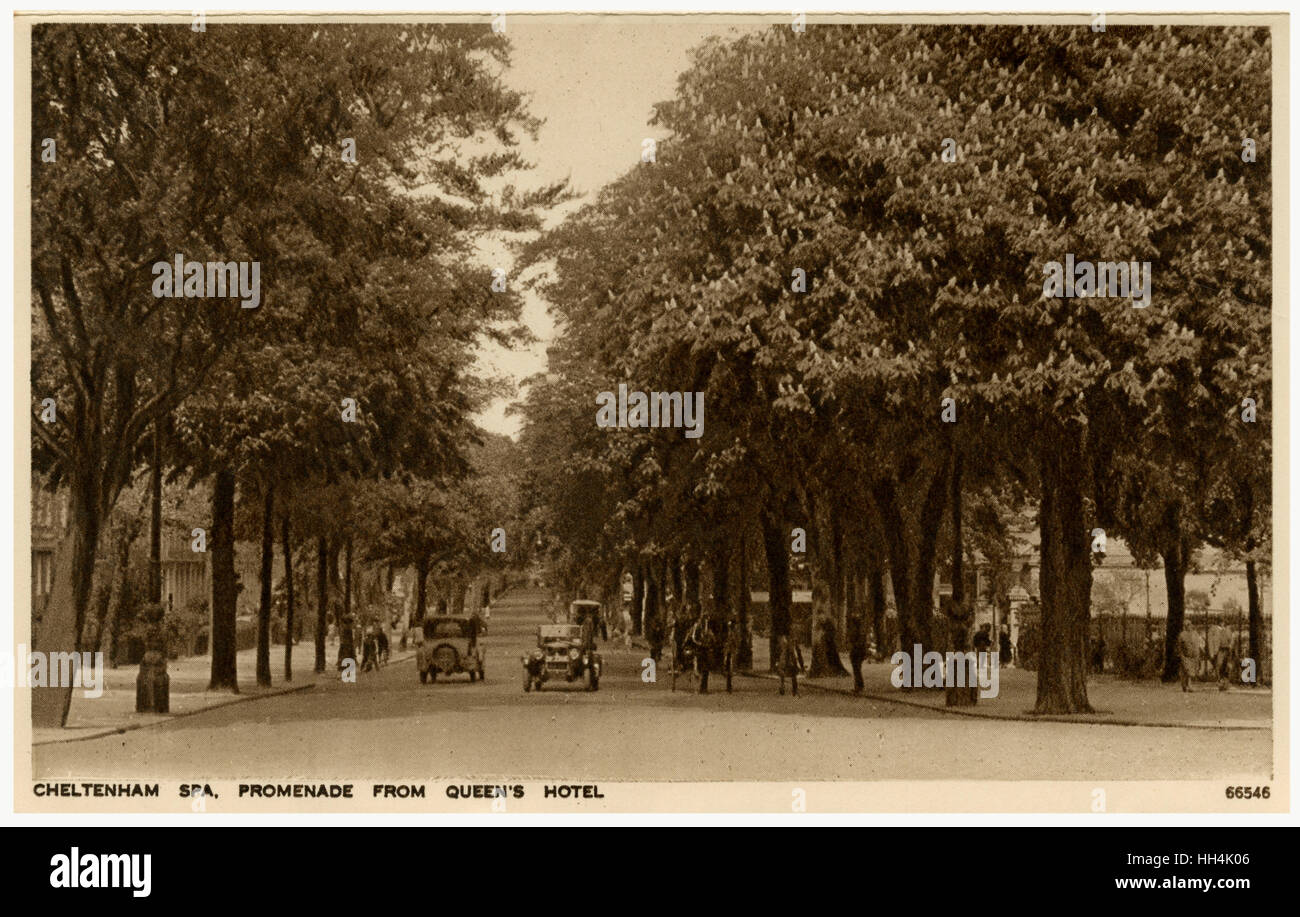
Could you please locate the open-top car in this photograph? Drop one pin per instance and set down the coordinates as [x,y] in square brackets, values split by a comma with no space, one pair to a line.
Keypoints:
[564,651]
[450,647]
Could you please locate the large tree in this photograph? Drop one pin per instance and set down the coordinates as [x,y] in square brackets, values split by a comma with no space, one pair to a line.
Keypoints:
[330,156]
[855,224]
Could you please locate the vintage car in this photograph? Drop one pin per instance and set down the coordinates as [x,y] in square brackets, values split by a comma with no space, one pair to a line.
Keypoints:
[564,651]
[450,646]
[584,610]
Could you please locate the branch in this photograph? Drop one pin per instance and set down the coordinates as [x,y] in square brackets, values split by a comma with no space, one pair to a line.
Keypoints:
[75,370]
[39,427]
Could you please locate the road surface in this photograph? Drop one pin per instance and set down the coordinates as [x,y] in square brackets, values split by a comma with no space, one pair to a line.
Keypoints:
[389,726]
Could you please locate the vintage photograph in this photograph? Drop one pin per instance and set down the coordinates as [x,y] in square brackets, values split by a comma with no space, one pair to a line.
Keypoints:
[513,412]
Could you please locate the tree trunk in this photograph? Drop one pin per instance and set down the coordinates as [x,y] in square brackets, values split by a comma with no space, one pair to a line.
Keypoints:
[876,607]
[288,596]
[155,519]
[264,605]
[692,585]
[828,602]
[224,609]
[839,600]
[638,598]
[958,581]
[911,540]
[778,585]
[421,593]
[322,601]
[653,591]
[962,686]
[721,564]
[63,621]
[959,617]
[347,578]
[108,595]
[745,653]
[336,552]
[1175,560]
[826,660]
[1065,580]
[1255,622]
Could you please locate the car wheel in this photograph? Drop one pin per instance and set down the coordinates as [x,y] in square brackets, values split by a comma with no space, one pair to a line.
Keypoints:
[588,680]
[595,682]
[528,681]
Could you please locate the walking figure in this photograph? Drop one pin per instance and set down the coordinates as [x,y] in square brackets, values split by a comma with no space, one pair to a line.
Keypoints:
[711,646]
[370,651]
[789,663]
[1189,656]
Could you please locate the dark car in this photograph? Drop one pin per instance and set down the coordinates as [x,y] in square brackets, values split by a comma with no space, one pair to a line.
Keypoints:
[450,646]
[563,652]
[585,613]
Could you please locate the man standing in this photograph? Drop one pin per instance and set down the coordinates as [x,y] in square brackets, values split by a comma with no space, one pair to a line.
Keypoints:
[1189,654]
[983,639]
[475,628]
[1218,643]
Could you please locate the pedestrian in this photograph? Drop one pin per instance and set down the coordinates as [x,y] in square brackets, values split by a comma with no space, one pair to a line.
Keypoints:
[1218,645]
[1004,646]
[370,650]
[626,625]
[789,663]
[983,639]
[1189,654]
[654,635]
[1099,655]
[475,625]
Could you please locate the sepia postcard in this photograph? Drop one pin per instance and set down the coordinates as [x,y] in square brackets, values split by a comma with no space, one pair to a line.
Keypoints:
[692,413]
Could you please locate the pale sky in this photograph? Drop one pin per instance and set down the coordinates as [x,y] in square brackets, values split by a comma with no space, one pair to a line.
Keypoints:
[594,81]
